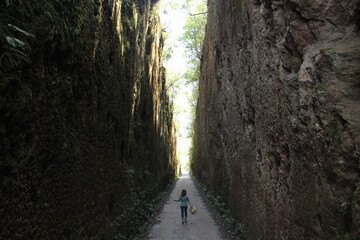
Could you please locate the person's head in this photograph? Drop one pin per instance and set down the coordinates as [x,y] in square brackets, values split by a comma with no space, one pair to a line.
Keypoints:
[183,192]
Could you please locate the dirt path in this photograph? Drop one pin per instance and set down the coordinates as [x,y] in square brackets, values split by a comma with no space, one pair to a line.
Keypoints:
[199,226]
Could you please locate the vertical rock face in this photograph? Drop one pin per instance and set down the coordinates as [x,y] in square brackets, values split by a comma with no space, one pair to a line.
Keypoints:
[86,132]
[278,119]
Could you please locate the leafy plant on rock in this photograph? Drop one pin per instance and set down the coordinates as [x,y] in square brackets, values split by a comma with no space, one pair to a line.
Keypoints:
[230,223]
[14,49]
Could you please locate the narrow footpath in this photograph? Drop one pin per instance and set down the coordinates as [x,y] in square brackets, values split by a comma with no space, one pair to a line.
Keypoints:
[199,226]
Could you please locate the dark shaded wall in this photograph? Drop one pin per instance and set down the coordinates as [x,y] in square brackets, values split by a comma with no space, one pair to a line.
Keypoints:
[277,130]
[86,133]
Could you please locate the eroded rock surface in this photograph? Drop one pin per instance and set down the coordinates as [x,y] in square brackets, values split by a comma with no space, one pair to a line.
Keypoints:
[278,119]
[87,139]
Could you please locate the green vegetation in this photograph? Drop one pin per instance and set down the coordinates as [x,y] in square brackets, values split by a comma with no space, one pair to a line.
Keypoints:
[141,211]
[66,115]
[183,80]
[193,37]
[230,223]
[15,48]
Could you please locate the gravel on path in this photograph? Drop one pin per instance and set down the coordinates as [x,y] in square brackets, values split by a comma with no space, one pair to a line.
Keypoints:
[198,227]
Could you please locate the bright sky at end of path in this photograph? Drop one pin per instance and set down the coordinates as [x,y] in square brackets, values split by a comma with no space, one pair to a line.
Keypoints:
[173,22]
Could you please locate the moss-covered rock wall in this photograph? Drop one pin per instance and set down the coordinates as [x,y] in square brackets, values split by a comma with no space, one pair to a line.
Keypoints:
[86,131]
[277,130]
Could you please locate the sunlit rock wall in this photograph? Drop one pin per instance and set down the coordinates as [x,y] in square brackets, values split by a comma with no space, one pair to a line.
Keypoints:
[277,129]
[87,139]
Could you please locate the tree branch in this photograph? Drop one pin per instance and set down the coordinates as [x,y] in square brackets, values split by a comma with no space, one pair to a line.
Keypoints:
[194,14]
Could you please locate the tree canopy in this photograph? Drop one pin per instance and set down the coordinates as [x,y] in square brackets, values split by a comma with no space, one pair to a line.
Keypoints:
[193,37]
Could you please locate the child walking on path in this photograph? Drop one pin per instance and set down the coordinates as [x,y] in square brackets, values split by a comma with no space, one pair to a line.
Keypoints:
[184,200]
[200,226]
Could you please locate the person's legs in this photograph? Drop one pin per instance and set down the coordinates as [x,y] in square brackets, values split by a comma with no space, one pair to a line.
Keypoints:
[185,210]
[183,213]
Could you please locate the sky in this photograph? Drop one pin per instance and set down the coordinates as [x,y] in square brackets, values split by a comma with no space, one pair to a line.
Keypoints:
[173,22]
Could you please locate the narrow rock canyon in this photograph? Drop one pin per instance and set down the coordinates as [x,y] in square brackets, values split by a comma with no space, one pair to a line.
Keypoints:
[88,140]
[277,130]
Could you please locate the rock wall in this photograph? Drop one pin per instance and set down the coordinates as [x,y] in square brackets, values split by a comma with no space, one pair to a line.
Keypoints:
[87,139]
[277,130]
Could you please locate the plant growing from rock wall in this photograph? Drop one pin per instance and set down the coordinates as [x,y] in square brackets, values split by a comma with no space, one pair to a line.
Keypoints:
[217,201]
[15,48]
[139,213]
[65,115]
[12,54]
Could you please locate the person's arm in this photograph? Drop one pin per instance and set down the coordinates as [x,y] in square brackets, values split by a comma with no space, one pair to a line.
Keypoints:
[177,200]
[189,202]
